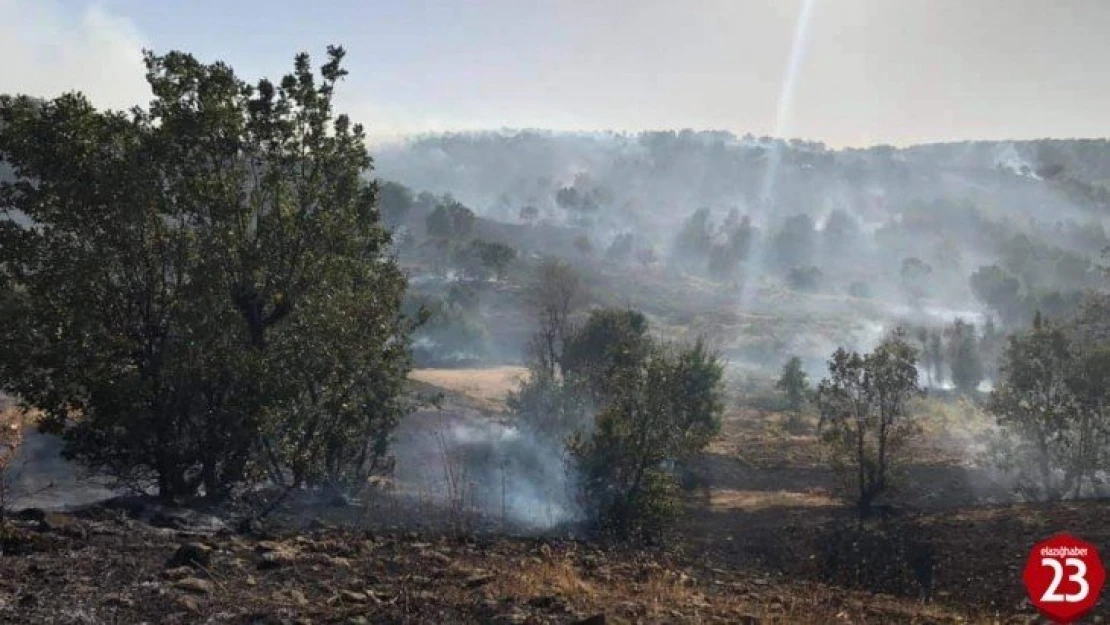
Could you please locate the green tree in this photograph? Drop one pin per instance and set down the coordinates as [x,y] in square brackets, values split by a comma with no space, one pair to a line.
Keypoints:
[660,405]
[496,256]
[450,220]
[793,383]
[395,202]
[865,422]
[201,290]
[1052,404]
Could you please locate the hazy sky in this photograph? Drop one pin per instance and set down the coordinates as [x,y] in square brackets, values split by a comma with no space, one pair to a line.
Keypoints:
[867,71]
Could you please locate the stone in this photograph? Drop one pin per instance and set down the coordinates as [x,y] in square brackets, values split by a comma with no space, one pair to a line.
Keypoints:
[195,585]
[352,596]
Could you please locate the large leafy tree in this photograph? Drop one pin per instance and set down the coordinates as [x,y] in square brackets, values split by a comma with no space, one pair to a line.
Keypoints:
[199,289]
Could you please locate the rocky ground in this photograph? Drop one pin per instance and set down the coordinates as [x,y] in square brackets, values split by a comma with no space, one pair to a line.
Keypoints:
[100,566]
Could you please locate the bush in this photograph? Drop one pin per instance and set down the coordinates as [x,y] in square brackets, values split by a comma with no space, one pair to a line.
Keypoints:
[653,405]
[1050,405]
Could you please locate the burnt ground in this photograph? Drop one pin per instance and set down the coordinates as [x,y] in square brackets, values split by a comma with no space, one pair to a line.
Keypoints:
[764,540]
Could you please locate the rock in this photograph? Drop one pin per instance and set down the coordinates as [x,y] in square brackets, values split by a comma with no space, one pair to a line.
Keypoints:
[352,596]
[191,554]
[597,619]
[190,604]
[340,562]
[195,585]
[276,557]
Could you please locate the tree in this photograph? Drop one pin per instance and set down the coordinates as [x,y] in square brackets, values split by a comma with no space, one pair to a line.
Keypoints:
[495,256]
[794,243]
[999,291]
[450,220]
[395,202]
[963,357]
[204,291]
[555,294]
[793,383]
[695,238]
[865,422]
[610,342]
[656,406]
[1052,403]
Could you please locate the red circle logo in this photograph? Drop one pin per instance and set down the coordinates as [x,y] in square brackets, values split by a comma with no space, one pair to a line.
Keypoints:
[1064,577]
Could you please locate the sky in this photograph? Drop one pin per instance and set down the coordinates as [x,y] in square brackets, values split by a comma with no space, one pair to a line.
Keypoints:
[845,72]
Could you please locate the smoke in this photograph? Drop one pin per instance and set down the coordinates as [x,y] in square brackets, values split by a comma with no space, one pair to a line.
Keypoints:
[471,465]
[47,52]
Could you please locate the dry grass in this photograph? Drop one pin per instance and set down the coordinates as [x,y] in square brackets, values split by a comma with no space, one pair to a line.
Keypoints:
[756,500]
[486,387]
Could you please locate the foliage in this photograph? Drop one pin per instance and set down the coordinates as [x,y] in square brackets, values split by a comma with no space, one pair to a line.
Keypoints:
[865,423]
[659,409]
[495,256]
[1052,403]
[695,238]
[1001,292]
[395,202]
[450,220]
[203,293]
[794,243]
[629,410]
[453,330]
[793,383]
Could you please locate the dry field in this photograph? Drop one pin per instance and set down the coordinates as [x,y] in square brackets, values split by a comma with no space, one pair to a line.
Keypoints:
[747,550]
